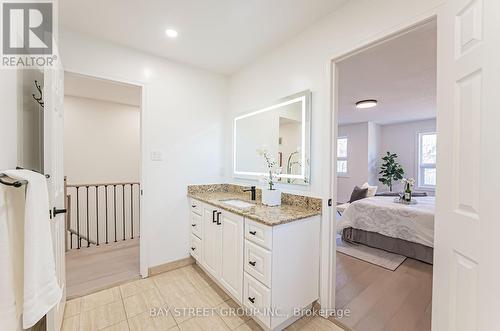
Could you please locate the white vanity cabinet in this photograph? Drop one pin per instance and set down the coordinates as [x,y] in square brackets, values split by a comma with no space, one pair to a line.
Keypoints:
[211,240]
[222,253]
[195,224]
[231,274]
[281,269]
[271,270]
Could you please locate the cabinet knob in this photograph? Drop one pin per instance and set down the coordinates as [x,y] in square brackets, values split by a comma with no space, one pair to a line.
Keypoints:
[252,263]
[253,233]
[193,225]
[193,248]
[193,206]
[252,300]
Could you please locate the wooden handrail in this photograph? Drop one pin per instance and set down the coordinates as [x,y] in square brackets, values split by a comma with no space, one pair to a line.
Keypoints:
[103,184]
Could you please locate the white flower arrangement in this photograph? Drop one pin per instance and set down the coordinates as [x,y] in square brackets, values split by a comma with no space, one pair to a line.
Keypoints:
[272,167]
[408,181]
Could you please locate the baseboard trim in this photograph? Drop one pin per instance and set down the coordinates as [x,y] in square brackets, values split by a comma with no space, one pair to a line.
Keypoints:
[161,268]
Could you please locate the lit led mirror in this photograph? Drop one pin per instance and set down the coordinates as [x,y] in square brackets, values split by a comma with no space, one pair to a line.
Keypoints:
[283,129]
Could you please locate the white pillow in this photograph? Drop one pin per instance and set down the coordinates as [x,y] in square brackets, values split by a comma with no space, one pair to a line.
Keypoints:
[372,190]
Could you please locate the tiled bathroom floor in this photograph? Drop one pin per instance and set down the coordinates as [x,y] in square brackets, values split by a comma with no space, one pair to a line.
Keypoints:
[128,307]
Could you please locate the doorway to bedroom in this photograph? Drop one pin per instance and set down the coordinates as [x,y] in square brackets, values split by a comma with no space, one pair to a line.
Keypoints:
[386,178]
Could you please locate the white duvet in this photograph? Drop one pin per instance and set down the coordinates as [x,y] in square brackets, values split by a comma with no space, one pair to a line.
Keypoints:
[413,223]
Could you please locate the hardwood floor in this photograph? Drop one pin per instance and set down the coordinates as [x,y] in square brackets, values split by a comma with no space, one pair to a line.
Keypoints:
[380,299]
[95,268]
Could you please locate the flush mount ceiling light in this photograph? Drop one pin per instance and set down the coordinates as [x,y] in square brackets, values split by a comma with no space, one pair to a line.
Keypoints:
[171,33]
[365,104]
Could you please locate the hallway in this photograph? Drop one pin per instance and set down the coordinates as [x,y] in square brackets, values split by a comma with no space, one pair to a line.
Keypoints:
[100,267]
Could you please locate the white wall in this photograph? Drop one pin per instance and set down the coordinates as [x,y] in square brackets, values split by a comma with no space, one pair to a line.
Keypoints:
[8,132]
[183,120]
[8,113]
[402,139]
[368,142]
[374,152]
[30,121]
[101,141]
[303,63]
[357,159]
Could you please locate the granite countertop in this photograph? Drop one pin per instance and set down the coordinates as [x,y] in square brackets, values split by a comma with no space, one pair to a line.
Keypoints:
[286,213]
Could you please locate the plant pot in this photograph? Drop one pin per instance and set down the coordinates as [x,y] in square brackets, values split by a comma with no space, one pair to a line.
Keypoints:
[271,197]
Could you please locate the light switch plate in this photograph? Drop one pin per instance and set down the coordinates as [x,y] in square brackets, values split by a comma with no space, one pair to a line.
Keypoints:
[156,155]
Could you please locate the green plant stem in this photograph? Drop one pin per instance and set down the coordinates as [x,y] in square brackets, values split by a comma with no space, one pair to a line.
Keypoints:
[271,184]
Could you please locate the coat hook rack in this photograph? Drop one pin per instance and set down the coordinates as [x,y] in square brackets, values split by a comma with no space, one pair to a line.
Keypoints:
[40,99]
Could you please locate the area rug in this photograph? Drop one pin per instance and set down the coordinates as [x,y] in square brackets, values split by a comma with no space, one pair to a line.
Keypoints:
[371,255]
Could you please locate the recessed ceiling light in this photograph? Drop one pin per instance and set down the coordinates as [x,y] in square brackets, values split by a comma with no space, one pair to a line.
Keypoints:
[171,33]
[364,104]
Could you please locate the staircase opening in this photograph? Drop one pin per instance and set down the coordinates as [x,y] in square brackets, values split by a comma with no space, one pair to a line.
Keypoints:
[102,182]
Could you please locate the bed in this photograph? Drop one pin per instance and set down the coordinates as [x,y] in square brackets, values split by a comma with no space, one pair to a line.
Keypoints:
[382,223]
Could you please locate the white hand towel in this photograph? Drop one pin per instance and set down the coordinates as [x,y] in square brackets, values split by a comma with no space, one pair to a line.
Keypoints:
[11,250]
[41,290]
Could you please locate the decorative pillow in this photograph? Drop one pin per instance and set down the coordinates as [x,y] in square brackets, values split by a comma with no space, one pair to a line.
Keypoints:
[358,194]
[372,190]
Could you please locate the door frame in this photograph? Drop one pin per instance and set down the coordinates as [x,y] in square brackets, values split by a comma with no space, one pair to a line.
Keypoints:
[143,248]
[329,228]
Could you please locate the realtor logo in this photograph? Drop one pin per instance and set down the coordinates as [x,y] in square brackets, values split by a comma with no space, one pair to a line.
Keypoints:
[27,28]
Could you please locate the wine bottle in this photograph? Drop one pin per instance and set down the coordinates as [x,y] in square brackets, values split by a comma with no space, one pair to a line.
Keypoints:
[407,196]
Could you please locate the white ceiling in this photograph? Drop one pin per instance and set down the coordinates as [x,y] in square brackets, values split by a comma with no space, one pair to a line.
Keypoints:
[400,74]
[88,87]
[218,35]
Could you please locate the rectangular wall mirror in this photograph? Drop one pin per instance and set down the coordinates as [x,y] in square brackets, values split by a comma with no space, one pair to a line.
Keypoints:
[283,128]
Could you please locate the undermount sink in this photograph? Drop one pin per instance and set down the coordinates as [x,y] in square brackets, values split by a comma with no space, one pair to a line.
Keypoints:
[238,203]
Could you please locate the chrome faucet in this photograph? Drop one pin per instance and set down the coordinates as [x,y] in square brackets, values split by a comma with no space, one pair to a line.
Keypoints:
[251,189]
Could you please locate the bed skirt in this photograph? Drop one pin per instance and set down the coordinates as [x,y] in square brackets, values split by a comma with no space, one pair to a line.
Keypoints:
[393,245]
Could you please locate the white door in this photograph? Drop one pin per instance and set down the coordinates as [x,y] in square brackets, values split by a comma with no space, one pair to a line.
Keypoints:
[467,266]
[211,241]
[53,166]
[232,253]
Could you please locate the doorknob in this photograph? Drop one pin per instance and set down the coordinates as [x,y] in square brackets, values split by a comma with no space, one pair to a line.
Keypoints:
[56,211]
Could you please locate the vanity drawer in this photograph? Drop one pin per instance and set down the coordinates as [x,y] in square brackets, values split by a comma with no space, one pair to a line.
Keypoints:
[259,233]
[258,262]
[257,297]
[195,247]
[195,206]
[195,224]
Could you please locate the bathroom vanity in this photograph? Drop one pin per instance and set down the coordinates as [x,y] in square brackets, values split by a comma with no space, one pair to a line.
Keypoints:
[265,258]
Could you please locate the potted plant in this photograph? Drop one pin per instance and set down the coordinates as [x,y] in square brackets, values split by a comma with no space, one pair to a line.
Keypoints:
[390,170]
[270,195]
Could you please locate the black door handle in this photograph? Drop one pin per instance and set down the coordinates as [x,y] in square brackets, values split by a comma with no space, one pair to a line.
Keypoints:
[192,248]
[56,211]
[252,263]
[218,218]
[252,300]
[213,216]
[193,225]
[253,233]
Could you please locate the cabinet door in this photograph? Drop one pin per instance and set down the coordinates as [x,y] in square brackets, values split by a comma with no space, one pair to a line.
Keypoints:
[232,253]
[211,241]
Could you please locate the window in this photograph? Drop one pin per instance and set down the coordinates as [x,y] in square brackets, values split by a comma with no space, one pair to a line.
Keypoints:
[427,160]
[342,156]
